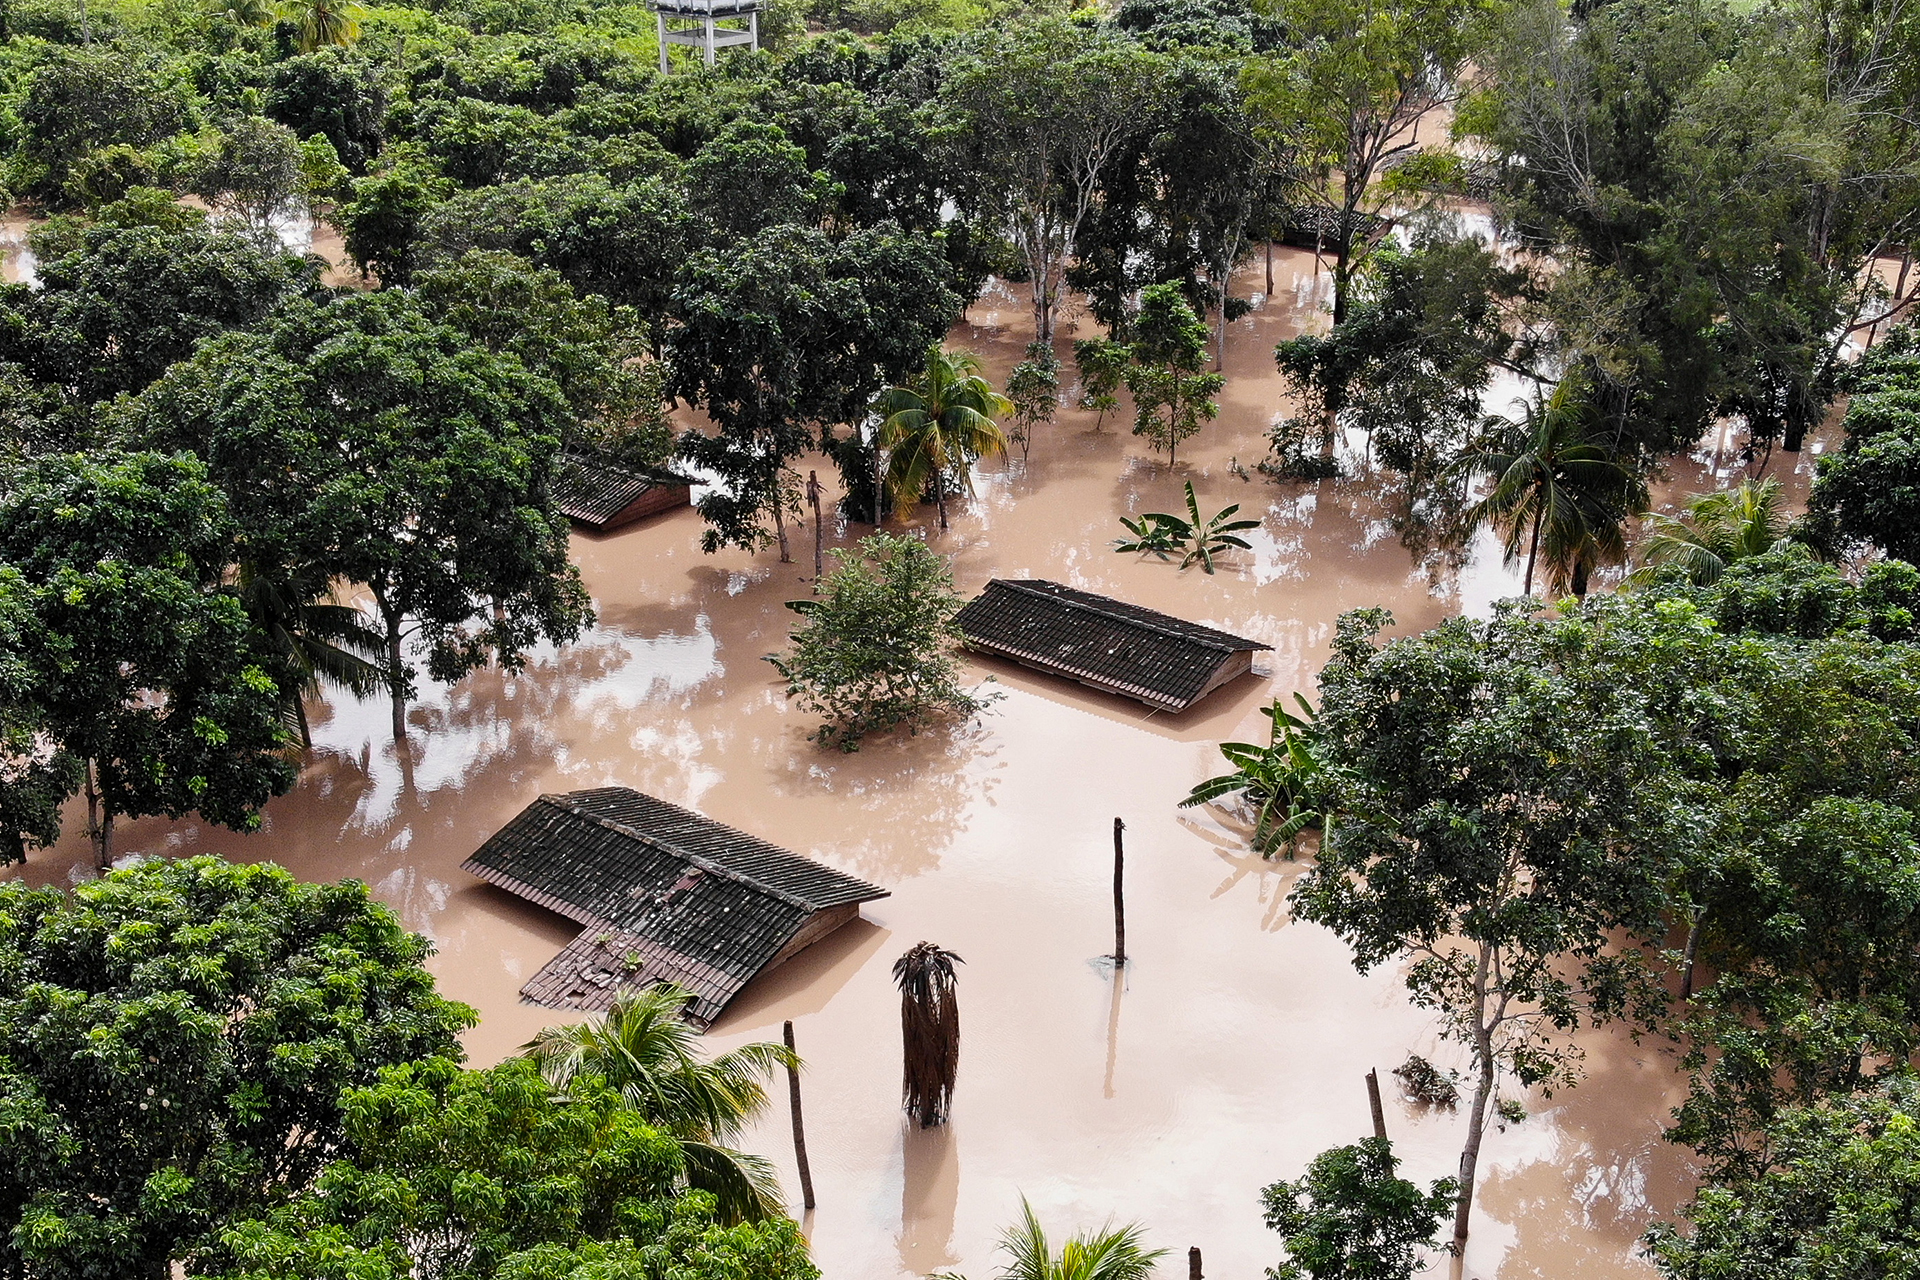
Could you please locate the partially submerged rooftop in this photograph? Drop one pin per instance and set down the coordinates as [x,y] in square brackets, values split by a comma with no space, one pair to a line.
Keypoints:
[1151,657]
[664,894]
[601,494]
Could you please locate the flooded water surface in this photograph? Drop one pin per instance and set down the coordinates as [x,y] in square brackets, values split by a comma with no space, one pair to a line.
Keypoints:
[1234,1046]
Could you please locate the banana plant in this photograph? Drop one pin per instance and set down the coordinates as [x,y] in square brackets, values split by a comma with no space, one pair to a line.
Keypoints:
[1284,782]
[1151,535]
[1202,537]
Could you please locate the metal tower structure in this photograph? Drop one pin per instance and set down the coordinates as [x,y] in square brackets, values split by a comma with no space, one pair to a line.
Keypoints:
[696,24]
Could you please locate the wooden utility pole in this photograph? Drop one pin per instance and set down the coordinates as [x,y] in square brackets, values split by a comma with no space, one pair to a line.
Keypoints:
[1373,1097]
[819,556]
[1119,897]
[1193,1263]
[799,1131]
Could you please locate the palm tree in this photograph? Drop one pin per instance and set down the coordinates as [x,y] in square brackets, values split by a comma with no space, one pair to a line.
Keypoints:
[243,13]
[1716,529]
[1559,493]
[1112,1253]
[938,425]
[649,1052]
[323,21]
[321,641]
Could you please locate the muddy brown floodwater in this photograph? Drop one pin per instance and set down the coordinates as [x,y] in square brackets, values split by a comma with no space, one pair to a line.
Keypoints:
[1234,1048]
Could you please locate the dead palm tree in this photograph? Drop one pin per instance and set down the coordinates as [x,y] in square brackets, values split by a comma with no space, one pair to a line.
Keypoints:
[929,1031]
[1559,495]
[1715,529]
[649,1052]
[937,425]
[1112,1253]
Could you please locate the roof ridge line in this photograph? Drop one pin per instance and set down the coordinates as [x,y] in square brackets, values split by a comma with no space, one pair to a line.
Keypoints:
[687,855]
[1027,587]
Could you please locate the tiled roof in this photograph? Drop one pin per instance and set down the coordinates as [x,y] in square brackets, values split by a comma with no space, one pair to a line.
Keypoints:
[1161,660]
[663,893]
[593,490]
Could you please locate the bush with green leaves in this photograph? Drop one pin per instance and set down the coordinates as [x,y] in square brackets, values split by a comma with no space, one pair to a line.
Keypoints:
[1351,1217]
[875,652]
[497,1175]
[1839,1196]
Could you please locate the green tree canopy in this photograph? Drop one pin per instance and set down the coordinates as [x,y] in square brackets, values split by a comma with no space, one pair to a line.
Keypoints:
[1172,392]
[177,1037]
[1869,491]
[123,302]
[788,333]
[648,1053]
[495,1175]
[363,441]
[1837,1198]
[132,656]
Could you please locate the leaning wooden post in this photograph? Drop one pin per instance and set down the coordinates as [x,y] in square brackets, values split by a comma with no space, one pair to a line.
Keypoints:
[1119,897]
[1373,1097]
[799,1131]
[813,500]
[1193,1263]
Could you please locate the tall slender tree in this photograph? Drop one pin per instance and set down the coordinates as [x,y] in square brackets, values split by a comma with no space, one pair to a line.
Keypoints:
[929,1031]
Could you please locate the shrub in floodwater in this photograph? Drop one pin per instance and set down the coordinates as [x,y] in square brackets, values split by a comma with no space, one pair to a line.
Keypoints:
[1426,1083]
[875,652]
[1351,1216]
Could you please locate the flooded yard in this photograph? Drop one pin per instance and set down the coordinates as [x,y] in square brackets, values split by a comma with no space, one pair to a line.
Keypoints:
[1235,1045]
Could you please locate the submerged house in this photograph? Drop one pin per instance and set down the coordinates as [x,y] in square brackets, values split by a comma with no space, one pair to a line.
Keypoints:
[663,894]
[1163,661]
[602,495]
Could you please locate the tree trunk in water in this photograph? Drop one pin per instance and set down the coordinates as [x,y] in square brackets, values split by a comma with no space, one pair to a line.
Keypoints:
[99,820]
[799,1130]
[940,494]
[819,556]
[780,529]
[306,730]
[1470,1154]
[1693,948]
[1373,1101]
[1269,268]
[1119,897]
[396,683]
[1342,277]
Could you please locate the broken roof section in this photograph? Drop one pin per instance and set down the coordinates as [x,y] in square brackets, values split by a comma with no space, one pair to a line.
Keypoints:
[602,495]
[664,894]
[1163,661]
